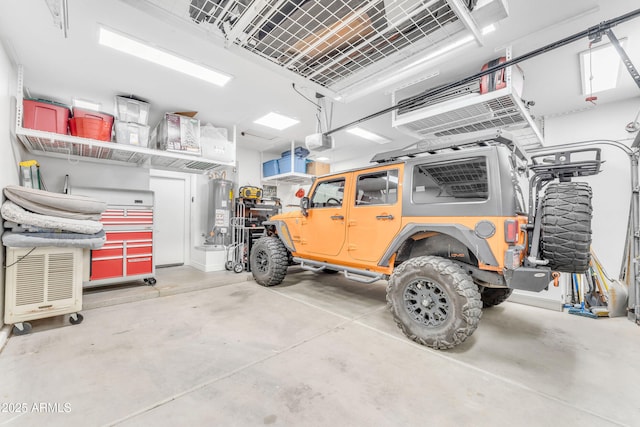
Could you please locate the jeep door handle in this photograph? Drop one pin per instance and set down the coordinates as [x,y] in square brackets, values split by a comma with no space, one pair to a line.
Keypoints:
[337,217]
[384,216]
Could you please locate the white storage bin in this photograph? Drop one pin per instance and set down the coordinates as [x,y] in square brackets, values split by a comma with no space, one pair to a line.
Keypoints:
[215,145]
[132,110]
[132,133]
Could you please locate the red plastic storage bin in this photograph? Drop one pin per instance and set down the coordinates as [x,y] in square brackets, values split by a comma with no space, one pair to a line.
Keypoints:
[86,127]
[90,114]
[44,115]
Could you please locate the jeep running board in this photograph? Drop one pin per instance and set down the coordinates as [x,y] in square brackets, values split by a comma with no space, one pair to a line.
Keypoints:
[357,275]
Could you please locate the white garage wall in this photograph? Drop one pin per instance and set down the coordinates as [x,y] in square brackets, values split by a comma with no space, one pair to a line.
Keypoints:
[249,167]
[84,173]
[9,155]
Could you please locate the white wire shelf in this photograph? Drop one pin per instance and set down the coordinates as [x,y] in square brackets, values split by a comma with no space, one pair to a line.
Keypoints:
[289,178]
[335,43]
[494,110]
[76,148]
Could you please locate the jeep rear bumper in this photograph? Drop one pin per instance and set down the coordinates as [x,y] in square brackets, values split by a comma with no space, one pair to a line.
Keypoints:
[534,279]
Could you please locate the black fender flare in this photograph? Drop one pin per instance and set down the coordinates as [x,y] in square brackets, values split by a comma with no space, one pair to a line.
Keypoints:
[283,233]
[478,246]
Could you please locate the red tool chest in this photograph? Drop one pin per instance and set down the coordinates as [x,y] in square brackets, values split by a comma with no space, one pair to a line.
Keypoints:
[128,224]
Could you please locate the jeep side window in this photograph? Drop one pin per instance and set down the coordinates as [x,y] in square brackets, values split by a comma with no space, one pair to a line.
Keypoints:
[328,194]
[460,180]
[379,188]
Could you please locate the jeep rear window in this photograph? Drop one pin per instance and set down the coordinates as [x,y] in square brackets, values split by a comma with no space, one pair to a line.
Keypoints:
[379,188]
[460,180]
[328,194]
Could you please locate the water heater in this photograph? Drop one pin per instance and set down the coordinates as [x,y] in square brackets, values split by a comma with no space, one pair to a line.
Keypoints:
[219,212]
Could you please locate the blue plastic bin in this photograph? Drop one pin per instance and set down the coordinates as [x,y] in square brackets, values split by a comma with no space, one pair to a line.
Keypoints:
[299,164]
[299,151]
[270,168]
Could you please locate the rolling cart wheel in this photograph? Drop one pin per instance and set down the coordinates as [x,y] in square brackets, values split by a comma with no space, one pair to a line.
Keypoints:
[22,328]
[76,318]
[228,265]
[150,281]
[238,268]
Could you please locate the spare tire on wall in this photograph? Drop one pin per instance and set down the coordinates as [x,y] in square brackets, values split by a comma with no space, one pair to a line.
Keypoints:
[566,226]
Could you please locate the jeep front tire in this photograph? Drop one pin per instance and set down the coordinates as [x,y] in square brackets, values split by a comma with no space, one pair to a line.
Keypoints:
[434,302]
[566,226]
[268,260]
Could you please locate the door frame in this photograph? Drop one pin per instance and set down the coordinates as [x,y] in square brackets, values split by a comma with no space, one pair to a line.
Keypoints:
[363,214]
[186,178]
[320,219]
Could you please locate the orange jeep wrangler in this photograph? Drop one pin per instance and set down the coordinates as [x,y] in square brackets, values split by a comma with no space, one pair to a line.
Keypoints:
[447,226]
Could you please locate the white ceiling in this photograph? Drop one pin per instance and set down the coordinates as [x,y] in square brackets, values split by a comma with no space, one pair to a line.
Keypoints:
[77,66]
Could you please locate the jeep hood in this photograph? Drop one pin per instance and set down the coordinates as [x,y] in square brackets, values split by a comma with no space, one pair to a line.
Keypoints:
[286,216]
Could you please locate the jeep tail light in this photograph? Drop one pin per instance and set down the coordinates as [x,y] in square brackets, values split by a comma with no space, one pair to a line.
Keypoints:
[511,230]
[513,257]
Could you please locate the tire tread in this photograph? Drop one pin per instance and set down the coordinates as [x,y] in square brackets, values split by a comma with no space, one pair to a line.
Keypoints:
[471,311]
[566,226]
[278,256]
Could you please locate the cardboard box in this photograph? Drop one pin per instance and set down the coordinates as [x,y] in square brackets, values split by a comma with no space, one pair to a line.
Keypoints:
[317,168]
[178,133]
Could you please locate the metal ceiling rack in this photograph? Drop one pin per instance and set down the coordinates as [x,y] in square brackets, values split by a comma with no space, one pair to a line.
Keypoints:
[289,178]
[464,110]
[72,147]
[432,93]
[338,43]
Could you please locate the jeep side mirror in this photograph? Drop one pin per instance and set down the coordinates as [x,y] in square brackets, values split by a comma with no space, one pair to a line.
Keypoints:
[304,205]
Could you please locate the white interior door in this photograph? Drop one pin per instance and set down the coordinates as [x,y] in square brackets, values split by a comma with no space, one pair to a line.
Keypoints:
[170,235]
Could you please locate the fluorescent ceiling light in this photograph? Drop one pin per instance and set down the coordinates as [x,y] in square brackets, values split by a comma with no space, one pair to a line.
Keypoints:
[323,159]
[488,29]
[276,121]
[599,68]
[363,133]
[87,105]
[160,57]
[449,47]
[411,69]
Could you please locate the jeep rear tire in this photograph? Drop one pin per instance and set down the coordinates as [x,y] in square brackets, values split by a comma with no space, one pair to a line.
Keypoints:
[565,238]
[269,261]
[493,296]
[434,302]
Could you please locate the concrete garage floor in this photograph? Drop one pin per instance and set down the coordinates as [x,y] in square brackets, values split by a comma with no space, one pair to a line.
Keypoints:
[316,350]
